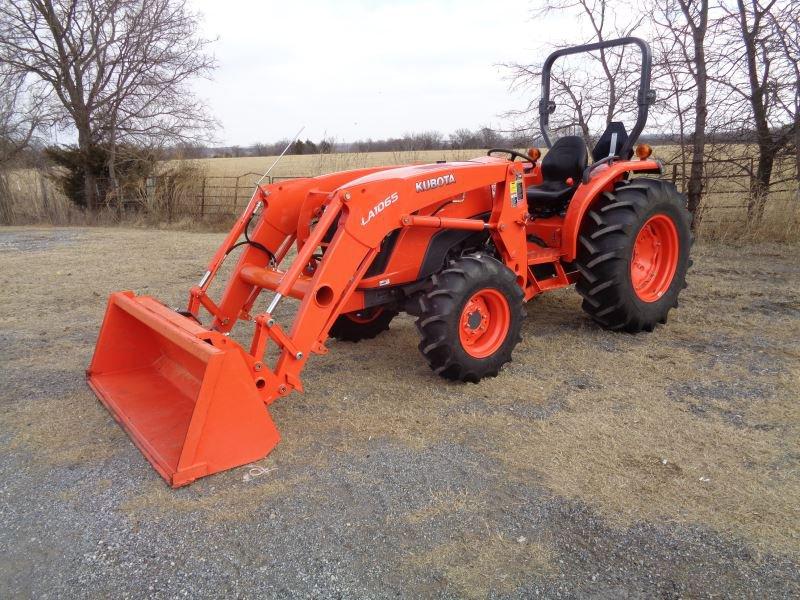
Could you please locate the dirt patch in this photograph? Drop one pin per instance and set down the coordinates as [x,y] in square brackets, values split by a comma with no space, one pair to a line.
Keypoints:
[36,240]
[772,308]
[447,502]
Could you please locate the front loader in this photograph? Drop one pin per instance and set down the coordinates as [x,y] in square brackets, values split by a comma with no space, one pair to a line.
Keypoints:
[459,245]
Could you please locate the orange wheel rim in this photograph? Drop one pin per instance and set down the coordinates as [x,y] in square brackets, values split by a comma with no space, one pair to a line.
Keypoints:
[655,258]
[368,315]
[484,323]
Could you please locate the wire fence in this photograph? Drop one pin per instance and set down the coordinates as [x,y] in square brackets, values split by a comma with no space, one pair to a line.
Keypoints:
[219,196]
[727,186]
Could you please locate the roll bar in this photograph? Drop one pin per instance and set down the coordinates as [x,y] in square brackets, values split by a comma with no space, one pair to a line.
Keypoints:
[645,96]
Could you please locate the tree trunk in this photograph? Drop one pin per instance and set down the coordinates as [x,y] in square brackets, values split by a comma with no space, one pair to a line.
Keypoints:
[797,152]
[694,187]
[759,187]
[767,149]
[6,202]
[695,184]
[89,177]
[112,171]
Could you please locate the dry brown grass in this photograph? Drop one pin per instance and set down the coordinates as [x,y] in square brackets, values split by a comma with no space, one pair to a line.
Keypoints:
[29,196]
[318,164]
[660,429]
[207,193]
[590,414]
[220,505]
[780,223]
[475,565]
[622,444]
[28,430]
[652,460]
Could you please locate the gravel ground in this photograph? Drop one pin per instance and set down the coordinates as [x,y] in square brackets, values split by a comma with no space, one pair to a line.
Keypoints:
[595,465]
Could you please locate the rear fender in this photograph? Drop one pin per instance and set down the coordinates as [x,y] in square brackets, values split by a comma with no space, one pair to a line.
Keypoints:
[602,180]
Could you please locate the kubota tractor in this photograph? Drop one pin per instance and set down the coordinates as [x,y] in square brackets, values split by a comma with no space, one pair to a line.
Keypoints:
[459,245]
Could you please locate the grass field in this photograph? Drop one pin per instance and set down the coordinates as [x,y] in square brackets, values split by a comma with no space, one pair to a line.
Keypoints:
[318,164]
[596,464]
[230,180]
[312,165]
[209,192]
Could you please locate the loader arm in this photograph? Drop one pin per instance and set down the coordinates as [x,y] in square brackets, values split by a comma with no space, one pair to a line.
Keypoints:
[365,211]
[275,229]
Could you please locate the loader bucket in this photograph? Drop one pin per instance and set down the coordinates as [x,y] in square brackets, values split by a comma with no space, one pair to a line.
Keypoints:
[189,405]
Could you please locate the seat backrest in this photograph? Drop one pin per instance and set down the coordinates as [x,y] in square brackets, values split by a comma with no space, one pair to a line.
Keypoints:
[611,142]
[566,158]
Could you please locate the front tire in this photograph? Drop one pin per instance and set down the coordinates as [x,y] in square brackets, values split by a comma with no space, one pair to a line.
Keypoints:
[471,318]
[633,254]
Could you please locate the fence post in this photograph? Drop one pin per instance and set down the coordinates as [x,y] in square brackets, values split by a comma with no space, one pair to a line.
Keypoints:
[236,195]
[203,199]
[683,176]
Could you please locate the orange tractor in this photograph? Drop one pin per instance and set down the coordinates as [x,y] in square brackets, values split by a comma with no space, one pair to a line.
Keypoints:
[459,245]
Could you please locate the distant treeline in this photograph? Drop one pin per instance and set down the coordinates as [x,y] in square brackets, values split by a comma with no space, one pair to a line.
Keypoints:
[38,155]
[461,139]
[484,137]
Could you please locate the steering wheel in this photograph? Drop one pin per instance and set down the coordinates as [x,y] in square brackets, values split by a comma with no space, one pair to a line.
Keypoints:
[510,152]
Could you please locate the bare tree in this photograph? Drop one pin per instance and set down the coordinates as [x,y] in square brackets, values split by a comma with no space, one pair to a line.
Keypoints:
[599,91]
[425,140]
[760,95]
[787,25]
[23,114]
[463,138]
[118,68]
[681,70]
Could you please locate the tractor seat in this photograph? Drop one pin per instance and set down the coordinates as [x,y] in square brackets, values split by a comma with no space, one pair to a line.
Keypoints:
[565,160]
[611,143]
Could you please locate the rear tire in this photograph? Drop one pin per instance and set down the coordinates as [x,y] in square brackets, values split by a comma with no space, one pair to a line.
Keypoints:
[362,324]
[633,254]
[471,318]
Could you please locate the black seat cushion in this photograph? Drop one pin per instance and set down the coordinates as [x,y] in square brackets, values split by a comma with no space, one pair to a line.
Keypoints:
[550,193]
[566,159]
[611,142]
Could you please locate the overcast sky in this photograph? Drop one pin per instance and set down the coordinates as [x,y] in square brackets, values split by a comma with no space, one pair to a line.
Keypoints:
[354,69]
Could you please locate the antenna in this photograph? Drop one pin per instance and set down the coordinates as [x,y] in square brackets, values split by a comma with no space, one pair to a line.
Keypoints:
[294,139]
